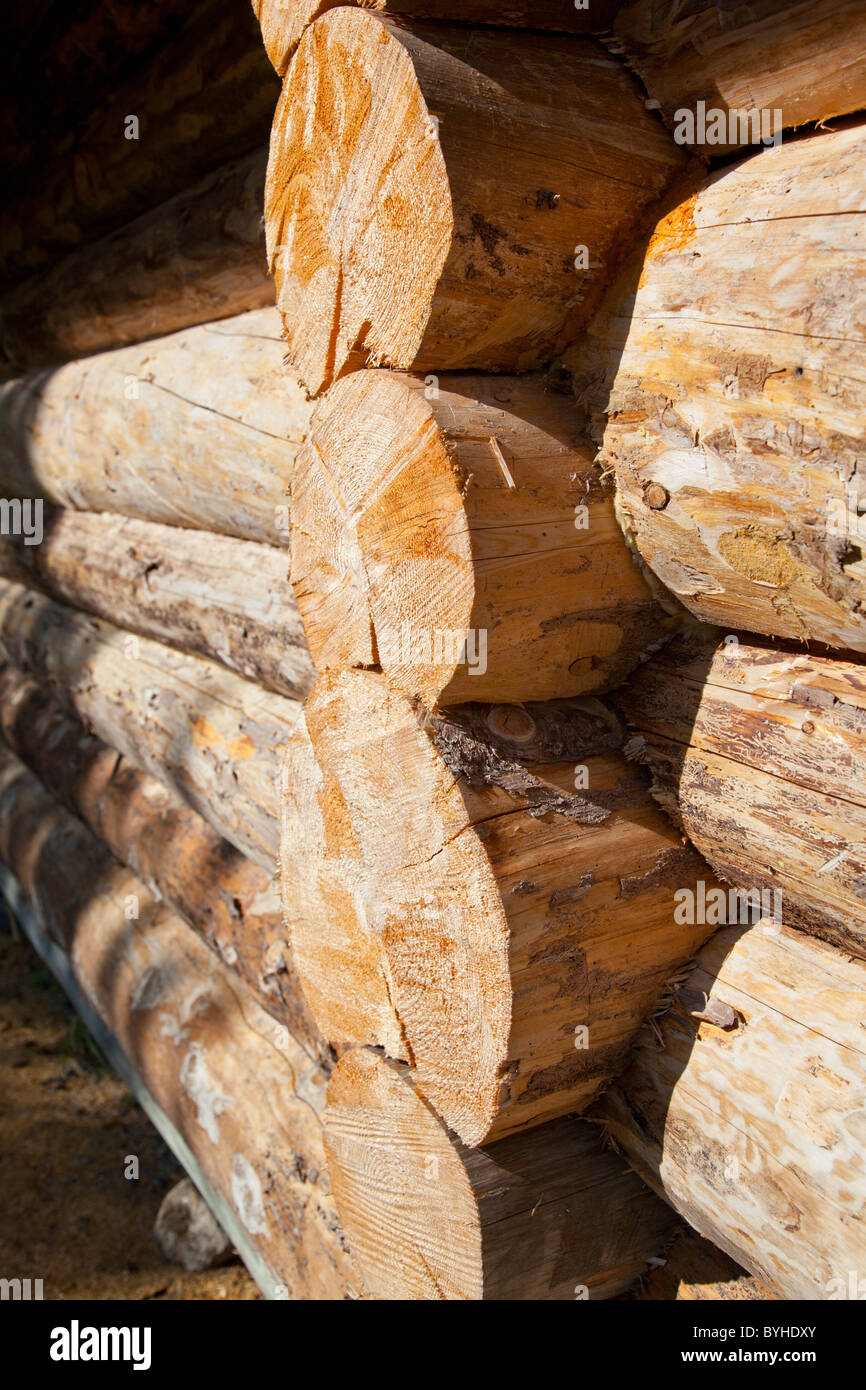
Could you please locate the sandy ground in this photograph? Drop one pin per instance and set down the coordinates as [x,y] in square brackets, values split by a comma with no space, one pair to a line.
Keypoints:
[68,1215]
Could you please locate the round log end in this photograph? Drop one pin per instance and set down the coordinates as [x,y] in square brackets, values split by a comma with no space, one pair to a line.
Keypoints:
[459,535]
[381,552]
[282,26]
[406,887]
[394,1169]
[340,968]
[358,210]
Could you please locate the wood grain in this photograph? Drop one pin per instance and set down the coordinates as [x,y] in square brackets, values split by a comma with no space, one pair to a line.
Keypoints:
[729,389]
[197,429]
[754,1133]
[222,598]
[211,736]
[239,1089]
[460,535]
[232,903]
[804,58]
[757,752]
[547,1215]
[429,184]
[452,898]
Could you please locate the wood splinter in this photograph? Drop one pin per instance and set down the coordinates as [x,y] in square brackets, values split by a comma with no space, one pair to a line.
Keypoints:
[460,536]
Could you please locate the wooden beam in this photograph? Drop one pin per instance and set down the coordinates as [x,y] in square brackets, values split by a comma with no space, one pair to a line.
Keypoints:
[726,372]
[283,23]
[803,58]
[218,597]
[198,429]
[232,903]
[453,898]
[208,734]
[242,1094]
[757,751]
[457,532]
[753,1130]
[200,256]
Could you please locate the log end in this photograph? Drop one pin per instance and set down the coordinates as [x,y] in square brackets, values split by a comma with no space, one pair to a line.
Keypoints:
[393,1168]
[356,184]
[394,884]
[459,535]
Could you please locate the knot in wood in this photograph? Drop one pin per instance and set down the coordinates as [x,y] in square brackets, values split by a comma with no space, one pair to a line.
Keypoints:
[656,496]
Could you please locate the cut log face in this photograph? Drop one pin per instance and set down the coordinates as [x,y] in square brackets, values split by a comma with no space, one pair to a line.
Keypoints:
[461,537]
[754,1132]
[545,1215]
[238,1089]
[212,736]
[344,972]
[283,23]
[510,932]
[803,58]
[200,256]
[216,596]
[429,187]
[734,391]
[232,903]
[197,429]
[758,752]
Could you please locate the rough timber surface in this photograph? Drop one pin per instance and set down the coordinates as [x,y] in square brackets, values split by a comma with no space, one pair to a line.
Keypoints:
[490,901]
[728,391]
[198,429]
[754,1131]
[429,185]
[757,751]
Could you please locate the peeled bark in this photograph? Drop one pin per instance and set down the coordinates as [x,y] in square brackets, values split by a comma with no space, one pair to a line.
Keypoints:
[429,185]
[208,734]
[205,99]
[213,595]
[754,1132]
[198,429]
[452,898]
[804,58]
[233,904]
[546,1215]
[198,257]
[695,1271]
[733,381]
[759,753]
[242,1095]
[460,535]
[283,24]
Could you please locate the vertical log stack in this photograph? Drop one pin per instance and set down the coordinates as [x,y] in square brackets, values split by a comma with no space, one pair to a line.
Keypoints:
[478,887]
[374,634]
